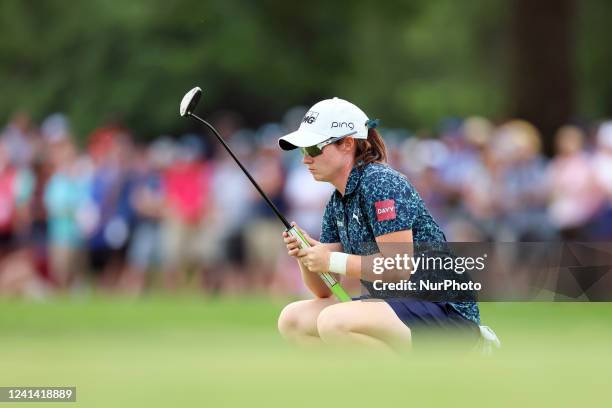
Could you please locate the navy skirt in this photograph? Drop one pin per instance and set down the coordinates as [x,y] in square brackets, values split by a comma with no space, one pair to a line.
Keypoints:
[430,317]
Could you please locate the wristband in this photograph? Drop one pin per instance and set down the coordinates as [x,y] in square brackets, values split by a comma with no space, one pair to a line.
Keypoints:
[337,262]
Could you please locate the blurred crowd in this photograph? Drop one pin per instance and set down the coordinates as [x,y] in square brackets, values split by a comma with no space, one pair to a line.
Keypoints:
[121,216]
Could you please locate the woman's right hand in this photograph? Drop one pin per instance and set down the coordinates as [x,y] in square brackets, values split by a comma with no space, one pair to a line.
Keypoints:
[293,246]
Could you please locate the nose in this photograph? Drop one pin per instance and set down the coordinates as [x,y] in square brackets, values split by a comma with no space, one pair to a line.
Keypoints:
[307,159]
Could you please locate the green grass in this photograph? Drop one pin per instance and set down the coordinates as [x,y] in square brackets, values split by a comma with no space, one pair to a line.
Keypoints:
[184,352]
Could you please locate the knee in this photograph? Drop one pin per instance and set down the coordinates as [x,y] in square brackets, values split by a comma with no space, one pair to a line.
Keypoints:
[289,321]
[330,326]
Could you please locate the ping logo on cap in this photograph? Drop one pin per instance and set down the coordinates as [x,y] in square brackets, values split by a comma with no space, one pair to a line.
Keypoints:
[349,125]
[310,117]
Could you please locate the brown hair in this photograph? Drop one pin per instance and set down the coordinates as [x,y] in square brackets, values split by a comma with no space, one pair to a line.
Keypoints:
[370,150]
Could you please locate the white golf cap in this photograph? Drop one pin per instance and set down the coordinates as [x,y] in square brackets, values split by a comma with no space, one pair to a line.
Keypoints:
[325,120]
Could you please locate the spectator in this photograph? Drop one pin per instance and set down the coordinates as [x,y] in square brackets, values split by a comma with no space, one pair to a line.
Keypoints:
[575,197]
[8,176]
[523,197]
[231,195]
[187,184]
[601,228]
[110,215]
[64,196]
[262,249]
[18,138]
[146,201]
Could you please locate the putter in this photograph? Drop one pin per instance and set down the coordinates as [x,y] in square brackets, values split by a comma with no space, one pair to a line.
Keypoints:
[188,105]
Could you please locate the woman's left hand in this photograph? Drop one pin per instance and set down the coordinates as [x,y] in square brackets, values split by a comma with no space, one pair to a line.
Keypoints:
[315,258]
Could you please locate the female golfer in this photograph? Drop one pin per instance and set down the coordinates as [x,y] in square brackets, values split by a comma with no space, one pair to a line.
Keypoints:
[373,205]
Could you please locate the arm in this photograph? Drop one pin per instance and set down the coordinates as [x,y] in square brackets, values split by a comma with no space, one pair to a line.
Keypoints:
[388,244]
[317,257]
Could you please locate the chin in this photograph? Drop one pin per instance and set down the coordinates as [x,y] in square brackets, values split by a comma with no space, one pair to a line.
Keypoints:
[318,177]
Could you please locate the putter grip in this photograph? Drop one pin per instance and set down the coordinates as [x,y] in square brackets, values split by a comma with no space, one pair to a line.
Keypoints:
[329,280]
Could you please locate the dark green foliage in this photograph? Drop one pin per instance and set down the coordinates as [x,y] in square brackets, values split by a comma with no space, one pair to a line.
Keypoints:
[409,63]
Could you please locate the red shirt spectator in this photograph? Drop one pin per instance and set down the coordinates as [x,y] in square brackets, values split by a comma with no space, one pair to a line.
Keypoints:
[187,186]
[7,199]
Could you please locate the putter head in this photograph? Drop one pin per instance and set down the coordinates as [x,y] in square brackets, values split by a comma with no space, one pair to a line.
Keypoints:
[190,101]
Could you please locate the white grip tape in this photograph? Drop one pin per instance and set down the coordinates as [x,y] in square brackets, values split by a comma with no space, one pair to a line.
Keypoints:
[301,243]
[337,262]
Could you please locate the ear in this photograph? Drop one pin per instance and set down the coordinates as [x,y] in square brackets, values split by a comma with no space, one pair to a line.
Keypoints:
[348,144]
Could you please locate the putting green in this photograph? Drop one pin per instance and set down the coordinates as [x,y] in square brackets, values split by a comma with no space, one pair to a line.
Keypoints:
[188,351]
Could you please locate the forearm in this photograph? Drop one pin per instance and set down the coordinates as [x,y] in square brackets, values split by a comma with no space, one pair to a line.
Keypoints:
[390,245]
[353,266]
[314,283]
[361,267]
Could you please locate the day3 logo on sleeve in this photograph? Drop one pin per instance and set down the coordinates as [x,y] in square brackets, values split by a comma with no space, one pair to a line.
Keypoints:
[385,210]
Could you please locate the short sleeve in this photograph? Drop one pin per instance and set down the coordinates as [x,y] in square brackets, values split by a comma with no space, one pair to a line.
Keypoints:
[329,229]
[391,203]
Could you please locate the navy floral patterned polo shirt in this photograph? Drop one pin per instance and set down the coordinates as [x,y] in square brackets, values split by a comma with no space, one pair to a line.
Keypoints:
[379,200]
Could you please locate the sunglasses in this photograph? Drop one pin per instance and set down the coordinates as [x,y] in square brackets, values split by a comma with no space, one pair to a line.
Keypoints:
[316,150]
